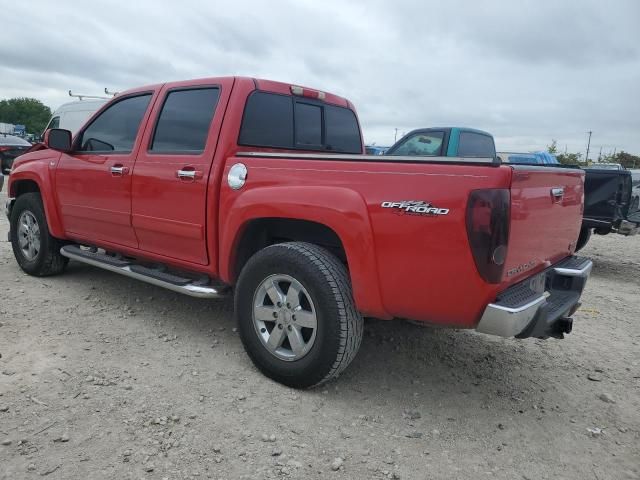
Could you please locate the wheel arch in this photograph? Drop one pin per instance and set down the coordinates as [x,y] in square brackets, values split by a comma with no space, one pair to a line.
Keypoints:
[22,183]
[336,219]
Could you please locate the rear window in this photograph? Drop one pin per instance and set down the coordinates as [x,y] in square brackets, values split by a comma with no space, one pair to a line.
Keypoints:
[282,121]
[308,121]
[343,133]
[183,125]
[476,145]
[267,121]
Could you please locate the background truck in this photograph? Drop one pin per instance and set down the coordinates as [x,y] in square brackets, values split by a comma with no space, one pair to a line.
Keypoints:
[446,142]
[212,184]
[72,115]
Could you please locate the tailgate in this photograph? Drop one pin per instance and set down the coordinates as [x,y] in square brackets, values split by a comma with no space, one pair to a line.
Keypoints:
[546,216]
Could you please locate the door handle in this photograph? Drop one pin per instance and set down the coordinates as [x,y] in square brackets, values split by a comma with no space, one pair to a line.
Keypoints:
[119,170]
[188,175]
[557,193]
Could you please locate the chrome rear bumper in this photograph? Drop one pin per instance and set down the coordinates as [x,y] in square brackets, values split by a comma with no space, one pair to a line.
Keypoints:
[526,310]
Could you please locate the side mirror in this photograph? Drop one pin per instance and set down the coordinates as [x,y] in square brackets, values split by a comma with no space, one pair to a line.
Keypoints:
[58,139]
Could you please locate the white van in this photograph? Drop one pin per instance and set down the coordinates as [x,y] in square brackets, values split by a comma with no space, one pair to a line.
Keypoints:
[71,116]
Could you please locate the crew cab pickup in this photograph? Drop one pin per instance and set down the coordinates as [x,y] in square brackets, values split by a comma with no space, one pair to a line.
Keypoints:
[262,187]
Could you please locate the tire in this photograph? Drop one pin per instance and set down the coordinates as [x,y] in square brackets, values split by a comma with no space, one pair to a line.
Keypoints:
[583,239]
[46,259]
[325,291]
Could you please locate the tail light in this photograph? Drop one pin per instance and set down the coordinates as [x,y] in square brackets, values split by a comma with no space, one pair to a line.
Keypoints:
[488,231]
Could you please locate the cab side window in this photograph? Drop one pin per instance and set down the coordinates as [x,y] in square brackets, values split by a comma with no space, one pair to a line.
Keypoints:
[421,144]
[115,129]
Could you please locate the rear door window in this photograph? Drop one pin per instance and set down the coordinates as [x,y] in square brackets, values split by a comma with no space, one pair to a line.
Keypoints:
[115,129]
[183,124]
[476,145]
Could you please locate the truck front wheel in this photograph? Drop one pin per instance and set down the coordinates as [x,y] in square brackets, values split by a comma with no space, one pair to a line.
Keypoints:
[36,251]
[296,314]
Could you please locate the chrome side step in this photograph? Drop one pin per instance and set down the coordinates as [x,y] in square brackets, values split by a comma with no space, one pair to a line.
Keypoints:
[117,264]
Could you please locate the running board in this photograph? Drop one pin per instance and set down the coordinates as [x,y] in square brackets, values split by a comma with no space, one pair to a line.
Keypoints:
[201,288]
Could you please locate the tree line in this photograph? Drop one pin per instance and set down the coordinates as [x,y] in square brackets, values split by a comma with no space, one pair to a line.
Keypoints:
[623,158]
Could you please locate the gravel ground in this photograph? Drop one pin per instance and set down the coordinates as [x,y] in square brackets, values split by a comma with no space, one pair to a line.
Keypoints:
[106,377]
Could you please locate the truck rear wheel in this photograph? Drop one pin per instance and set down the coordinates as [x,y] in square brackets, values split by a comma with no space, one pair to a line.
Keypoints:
[36,251]
[296,314]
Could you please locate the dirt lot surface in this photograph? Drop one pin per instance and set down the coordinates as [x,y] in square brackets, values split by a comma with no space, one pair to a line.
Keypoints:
[105,377]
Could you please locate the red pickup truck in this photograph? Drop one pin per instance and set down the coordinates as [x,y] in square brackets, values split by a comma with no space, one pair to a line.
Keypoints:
[207,185]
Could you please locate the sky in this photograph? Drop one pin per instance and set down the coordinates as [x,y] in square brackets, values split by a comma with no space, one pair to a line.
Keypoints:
[525,71]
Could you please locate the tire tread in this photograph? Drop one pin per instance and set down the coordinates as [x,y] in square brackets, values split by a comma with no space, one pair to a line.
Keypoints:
[351,322]
[53,262]
[330,279]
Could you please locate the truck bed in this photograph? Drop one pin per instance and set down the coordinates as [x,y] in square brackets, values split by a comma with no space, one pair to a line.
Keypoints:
[422,259]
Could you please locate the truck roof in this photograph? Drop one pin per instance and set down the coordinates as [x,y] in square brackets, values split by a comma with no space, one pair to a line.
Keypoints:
[80,105]
[260,84]
[449,129]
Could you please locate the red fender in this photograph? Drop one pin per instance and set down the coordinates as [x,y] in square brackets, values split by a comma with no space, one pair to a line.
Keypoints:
[341,209]
[38,166]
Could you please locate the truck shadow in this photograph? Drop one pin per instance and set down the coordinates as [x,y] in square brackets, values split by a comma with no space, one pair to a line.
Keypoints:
[616,269]
[400,364]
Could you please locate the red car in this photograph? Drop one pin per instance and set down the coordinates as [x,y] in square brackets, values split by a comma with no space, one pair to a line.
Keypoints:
[216,184]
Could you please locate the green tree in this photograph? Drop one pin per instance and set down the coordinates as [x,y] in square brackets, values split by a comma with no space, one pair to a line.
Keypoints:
[564,158]
[30,112]
[569,158]
[626,159]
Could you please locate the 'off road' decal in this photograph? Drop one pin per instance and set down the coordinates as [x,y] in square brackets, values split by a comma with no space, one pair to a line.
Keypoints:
[415,207]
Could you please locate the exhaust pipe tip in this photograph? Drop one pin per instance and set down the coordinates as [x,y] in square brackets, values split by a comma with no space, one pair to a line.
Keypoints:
[565,325]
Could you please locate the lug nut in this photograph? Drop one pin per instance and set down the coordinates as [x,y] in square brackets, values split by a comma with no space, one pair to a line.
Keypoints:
[293,317]
[280,326]
[263,330]
[288,305]
[279,304]
[275,314]
[289,327]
